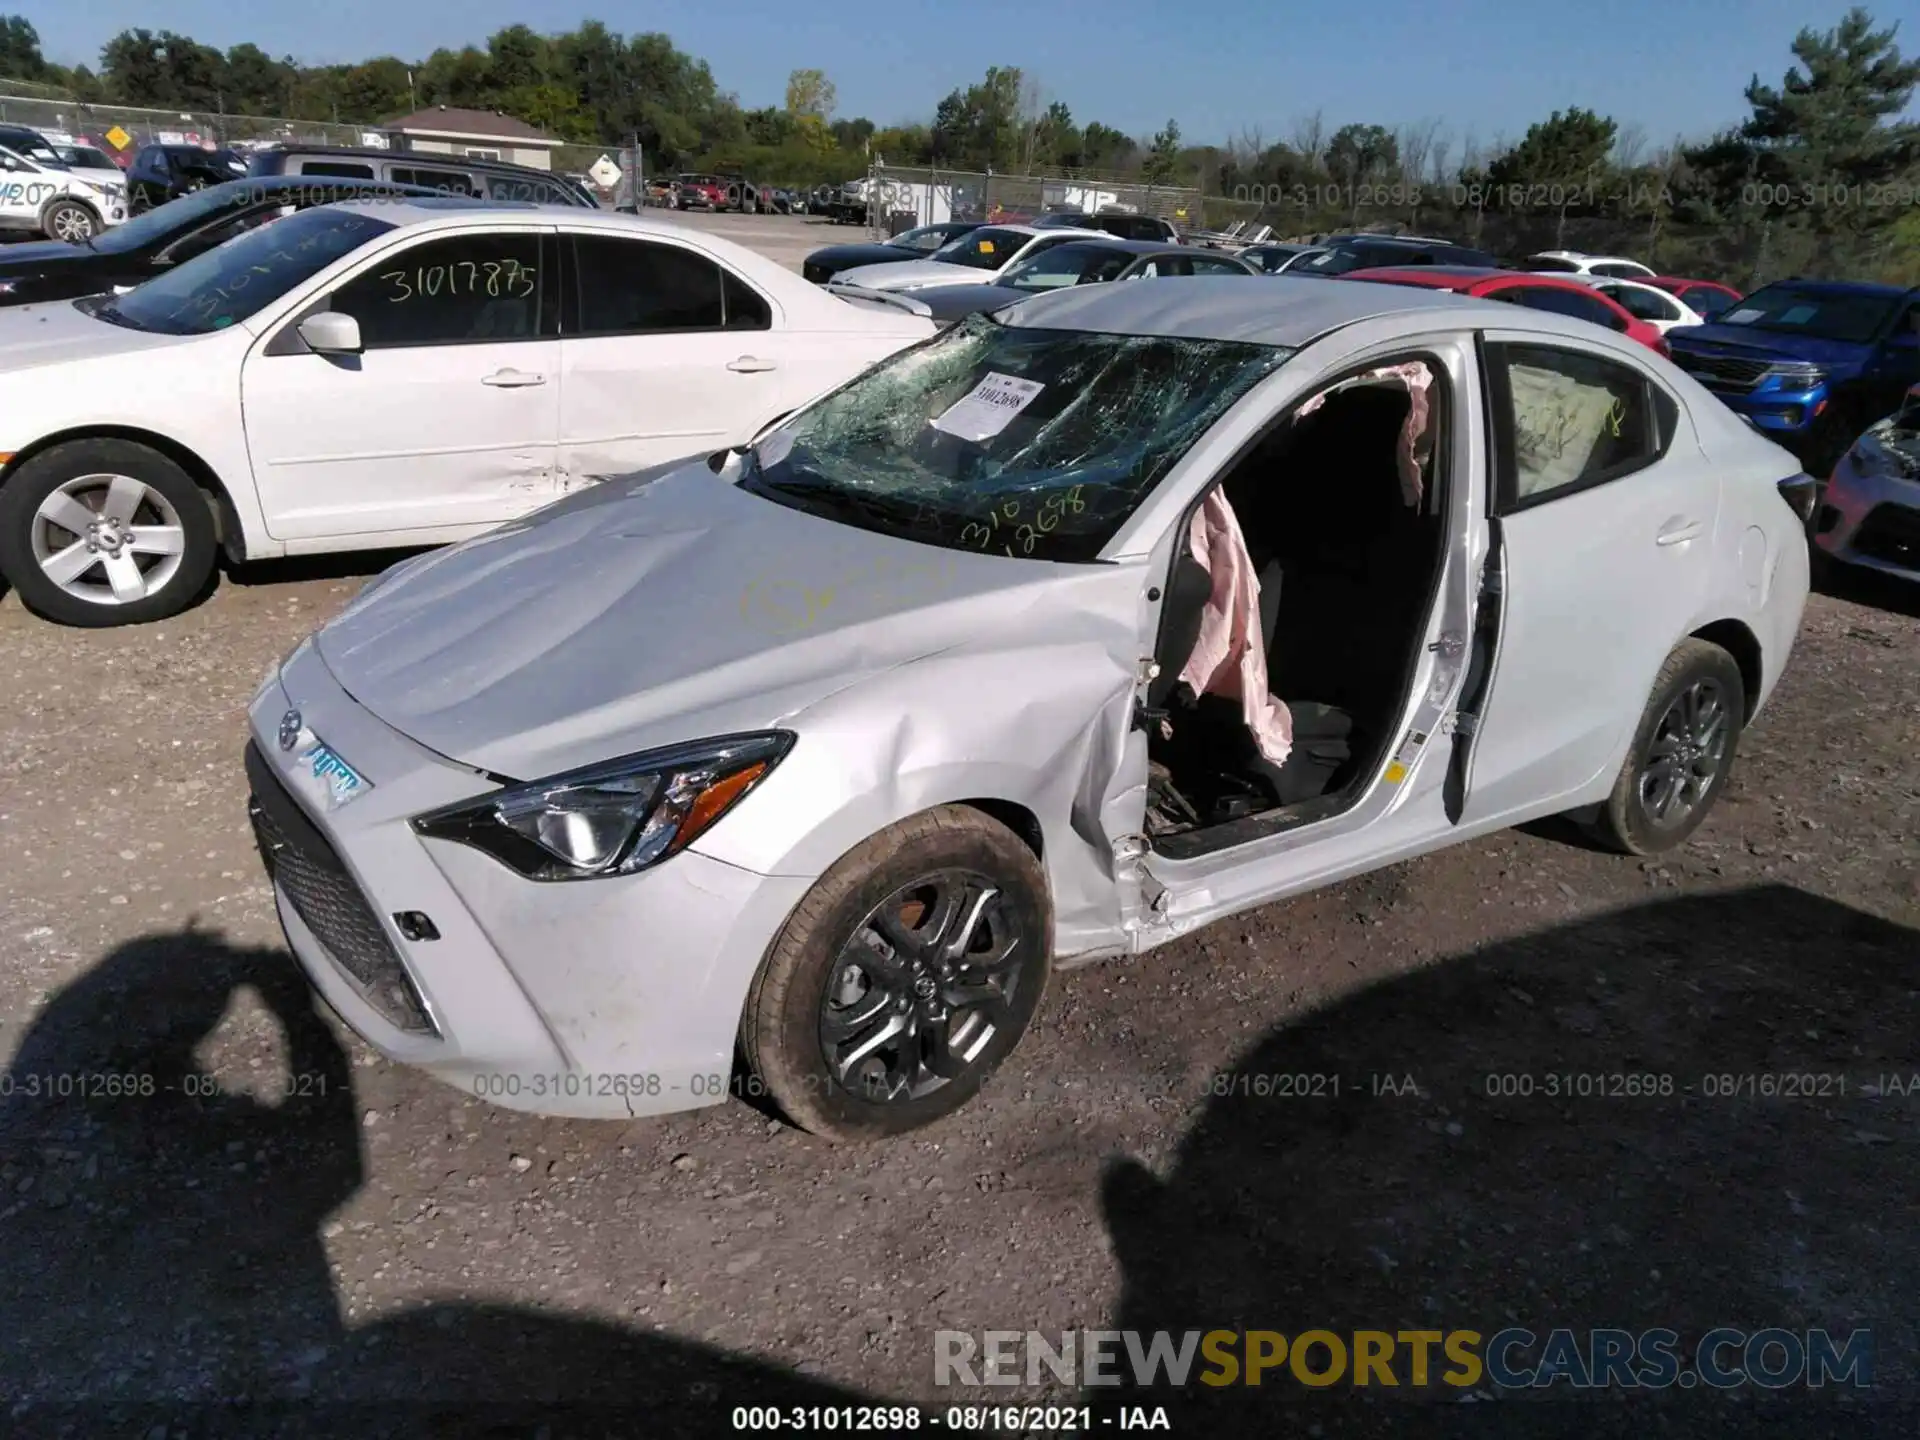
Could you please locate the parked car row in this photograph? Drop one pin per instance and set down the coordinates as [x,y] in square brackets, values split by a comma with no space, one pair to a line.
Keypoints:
[674,702]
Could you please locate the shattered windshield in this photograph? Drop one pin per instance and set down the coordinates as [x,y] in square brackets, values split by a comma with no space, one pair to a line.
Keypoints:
[1010,440]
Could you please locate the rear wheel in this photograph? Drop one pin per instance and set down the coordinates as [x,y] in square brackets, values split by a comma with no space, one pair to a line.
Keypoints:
[1682,753]
[903,979]
[105,532]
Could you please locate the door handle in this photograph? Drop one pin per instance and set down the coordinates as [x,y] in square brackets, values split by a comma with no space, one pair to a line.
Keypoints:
[750,365]
[1678,531]
[511,379]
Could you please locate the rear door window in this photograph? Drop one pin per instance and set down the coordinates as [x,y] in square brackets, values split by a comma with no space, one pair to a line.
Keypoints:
[640,287]
[1568,302]
[1568,421]
[340,169]
[447,182]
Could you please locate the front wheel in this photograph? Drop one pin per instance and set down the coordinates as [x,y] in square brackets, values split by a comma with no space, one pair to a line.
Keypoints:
[70,221]
[105,532]
[1682,752]
[903,979]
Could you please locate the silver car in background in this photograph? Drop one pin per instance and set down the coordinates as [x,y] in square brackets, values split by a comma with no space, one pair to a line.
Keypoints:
[1869,511]
[1055,637]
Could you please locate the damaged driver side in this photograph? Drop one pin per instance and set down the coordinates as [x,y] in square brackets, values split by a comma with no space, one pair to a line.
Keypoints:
[1294,613]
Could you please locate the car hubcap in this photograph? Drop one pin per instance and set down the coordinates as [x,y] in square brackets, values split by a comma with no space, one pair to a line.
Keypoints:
[922,986]
[108,539]
[1685,755]
[70,224]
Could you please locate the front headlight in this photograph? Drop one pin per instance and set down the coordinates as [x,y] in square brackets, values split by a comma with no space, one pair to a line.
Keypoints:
[1796,374]
[616,817]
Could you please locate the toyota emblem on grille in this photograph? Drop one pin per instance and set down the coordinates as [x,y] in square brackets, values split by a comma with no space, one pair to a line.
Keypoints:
[290,729]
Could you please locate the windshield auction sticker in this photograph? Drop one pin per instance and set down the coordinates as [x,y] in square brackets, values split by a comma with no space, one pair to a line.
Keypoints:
[989,408]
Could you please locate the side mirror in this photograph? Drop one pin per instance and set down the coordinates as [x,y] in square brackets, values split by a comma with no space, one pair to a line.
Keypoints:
[331,333]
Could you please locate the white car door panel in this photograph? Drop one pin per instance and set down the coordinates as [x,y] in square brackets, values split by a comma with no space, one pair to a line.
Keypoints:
[448,418]
[1606,558]
[665,354]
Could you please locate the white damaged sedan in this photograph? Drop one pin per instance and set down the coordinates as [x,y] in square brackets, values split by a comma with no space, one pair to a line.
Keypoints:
[1055,637]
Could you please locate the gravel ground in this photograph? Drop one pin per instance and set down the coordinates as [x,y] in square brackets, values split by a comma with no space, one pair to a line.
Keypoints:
[377,1241]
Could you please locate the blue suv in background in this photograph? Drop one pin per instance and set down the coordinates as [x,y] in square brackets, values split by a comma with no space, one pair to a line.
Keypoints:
[1811,363]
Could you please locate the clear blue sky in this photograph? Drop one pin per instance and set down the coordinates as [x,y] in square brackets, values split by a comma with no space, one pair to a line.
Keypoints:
[1484,69]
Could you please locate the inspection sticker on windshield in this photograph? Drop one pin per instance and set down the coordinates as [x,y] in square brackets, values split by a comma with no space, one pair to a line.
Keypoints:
[989,408]
[1743,317]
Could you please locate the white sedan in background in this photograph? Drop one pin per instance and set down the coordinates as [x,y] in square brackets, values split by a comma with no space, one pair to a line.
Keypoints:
[1642,301]
[1578,262]
[976,258]
[386,374]
[40,198]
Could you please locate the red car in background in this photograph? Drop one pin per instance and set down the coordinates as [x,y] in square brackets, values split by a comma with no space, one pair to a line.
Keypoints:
[700,192]
[1538,292]
[1707,298]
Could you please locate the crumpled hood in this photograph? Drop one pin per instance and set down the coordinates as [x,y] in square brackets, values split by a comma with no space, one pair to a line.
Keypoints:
[902,273]
[657,608]
[1836,356]
[55,332]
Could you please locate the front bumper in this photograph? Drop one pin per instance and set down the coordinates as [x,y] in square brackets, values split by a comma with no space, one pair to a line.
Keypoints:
[1870,520]
[1785,416]
[599,998]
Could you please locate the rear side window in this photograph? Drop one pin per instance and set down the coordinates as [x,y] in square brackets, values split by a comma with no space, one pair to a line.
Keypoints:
[1619,272]
[1203,265]
[1567,421]
[447,182]
[1568,302]
[1641,304]
[535,192]
[638,287]
[339,169]
[459,290]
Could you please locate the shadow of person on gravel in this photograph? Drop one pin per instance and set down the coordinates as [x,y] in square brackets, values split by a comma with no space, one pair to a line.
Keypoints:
[1469,1206]
[161,1258]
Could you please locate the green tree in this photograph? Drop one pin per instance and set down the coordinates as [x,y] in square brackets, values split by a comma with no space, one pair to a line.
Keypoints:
[20,57]
[1359,156]
[1561,159]
[1163,156]
[810,92]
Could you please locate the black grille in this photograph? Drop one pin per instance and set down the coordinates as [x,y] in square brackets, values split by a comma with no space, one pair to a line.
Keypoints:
[1890,533]
[301,861]
[1724,372]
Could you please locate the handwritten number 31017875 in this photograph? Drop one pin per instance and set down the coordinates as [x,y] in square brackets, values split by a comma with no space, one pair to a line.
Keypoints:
[507,279]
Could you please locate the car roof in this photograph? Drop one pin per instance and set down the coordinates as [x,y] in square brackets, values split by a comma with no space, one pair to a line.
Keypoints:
[1465,274]
[421,157]
[1119,245]
[1839,288]
[1282,311]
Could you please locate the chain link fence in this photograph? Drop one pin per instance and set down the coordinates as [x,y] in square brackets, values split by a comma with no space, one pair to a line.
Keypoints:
[1747,247]
[119,130]
[901,197]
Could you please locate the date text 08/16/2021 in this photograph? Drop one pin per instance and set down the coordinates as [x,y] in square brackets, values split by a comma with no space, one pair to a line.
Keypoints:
[958,1419]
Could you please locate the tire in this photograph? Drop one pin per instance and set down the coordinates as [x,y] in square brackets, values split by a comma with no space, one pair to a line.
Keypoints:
[164,528]
[1677,715]
[950,853]
[69,220]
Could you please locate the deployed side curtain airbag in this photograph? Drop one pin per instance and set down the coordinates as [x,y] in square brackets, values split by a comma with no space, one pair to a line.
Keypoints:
[1230,657]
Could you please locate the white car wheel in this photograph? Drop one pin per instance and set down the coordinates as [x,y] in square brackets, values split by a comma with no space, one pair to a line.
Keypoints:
[71,221]
[104,532]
